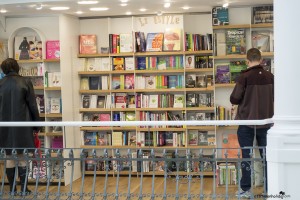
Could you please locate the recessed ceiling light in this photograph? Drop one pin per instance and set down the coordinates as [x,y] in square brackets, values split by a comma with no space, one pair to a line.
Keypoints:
[124,1]
[39,7]
[143,9]
[79,12]
[185,8]
[159,13]
[3,11]
[128,13]
[167,5]
[60,8]
[99,9]
[123,4]
[87,2]
[225,5]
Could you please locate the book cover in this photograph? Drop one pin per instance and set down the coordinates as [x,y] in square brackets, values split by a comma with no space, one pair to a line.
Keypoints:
[178,101]
[105,64]
[118,63]
[230,145]
[116,82]
[201,81]
[85,101]
[129,63]
[190,81]
[203,99]
[88,44]
[40,101]
[153,101]
[120,100]
[172,82]
[102,139]
[154,42]
[202,138]
[84,83]
[150,82]
[190,99]
[261,40]
[193,137]
[90,138]
[52,49]
[267,64]
[101,101]
[129,81]
[200,116]
[130,101]
[94,82]
[126,42]
[190,62]
[117,138]
[235,41]
[141,63]
[262,14]
[22,47]
[130,116]
[235,68]
[211,139]
[55,105]
[131,139]
[172,40]
[222,73]
[220,16]
[161,63]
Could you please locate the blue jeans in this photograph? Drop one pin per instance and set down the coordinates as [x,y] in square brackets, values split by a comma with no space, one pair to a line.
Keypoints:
[246,138]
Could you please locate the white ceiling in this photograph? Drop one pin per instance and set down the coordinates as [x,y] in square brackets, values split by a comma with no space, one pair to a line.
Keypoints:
[28,7]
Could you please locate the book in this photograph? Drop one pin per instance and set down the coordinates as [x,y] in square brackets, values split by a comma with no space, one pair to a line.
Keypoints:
[190,81]
[129,63]
[130,116]
[178,101]
[88,44]
[40,101]
[141,63]
[85,101]
[190,62]
[118,63]
[22,47]
[190,99]
[262,14]
[117,138]
[202,138]
[261,40]
[90,138]
[129,81]
[230,145]
[193,137]
[120,100]
[55,105]
[101,101]
[172,82]
[220,16]
[126,42]
[116,82]
[84,83]
[222,73]
[153,101]
[52,49]
[201,81]
[235,68]
[154,42]
[235,41]
[172,40]
[102,139]
[105,64]
[150,82]
[94,82]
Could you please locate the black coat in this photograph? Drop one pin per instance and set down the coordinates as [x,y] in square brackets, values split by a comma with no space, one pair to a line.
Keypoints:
[17,103]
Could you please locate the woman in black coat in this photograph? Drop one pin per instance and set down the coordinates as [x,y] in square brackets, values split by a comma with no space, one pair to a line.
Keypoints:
[17,103]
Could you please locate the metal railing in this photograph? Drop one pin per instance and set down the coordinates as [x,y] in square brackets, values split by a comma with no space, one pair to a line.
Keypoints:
[133,173]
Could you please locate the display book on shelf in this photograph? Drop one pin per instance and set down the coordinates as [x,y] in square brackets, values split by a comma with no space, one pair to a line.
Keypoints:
[127,86]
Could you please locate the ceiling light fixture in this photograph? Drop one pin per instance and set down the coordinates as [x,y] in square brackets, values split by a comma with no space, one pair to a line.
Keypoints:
[167,5]
[99,9]
[87,2]
[3,11]
[185,8]
[143,9]
[124,1]
[128,13]
[60,8]
[79,12]
[123,4]
[39,7]
[159,13]
[225,5]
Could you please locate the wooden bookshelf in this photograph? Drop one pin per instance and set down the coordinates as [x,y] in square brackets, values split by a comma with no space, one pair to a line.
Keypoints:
[81,110]
[212,109]
[38,87]
[94,91]
[162,53]
[201,128]
[122,72]
[231,26]
[93,55]
[238,56]
[166,71]
[225,85]
[52,88]
[161,129]
[29,61]
[94,72]
[95,128]
[51,60]
[202,52]
[160,109]
[199,70]
[53,115]
[159,90]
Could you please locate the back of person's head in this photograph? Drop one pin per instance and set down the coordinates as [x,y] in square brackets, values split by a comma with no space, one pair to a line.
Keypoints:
[253,55]
[10,65]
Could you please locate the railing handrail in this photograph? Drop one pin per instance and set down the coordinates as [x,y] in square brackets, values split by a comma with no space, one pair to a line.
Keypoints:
[139,123]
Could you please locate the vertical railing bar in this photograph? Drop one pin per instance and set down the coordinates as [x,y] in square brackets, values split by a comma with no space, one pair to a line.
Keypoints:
[227,174]
[252,171]
[201,159]
[106,173]
[165,174]
[129,157]
[49,161]
[61,163]
[140,157]
[214,173]
[189,174]
[152,154]
[264,170]
[15,158]
[177,174]
[239,172]
[3,155]
[94,156]
[83,160]
[71,156]
[118,161]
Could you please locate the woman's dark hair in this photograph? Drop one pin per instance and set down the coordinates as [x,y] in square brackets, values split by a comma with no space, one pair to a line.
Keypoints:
[10,65]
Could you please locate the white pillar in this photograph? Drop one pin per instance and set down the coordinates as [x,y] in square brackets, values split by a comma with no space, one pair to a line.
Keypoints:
[283,148]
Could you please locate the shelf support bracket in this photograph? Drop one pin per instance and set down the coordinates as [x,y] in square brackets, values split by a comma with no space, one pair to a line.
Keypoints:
[3,22]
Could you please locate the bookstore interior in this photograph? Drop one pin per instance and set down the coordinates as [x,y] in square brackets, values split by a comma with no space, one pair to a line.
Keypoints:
[135,67]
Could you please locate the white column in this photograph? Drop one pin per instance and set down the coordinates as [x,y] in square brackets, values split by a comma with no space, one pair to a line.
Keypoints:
[283,149]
